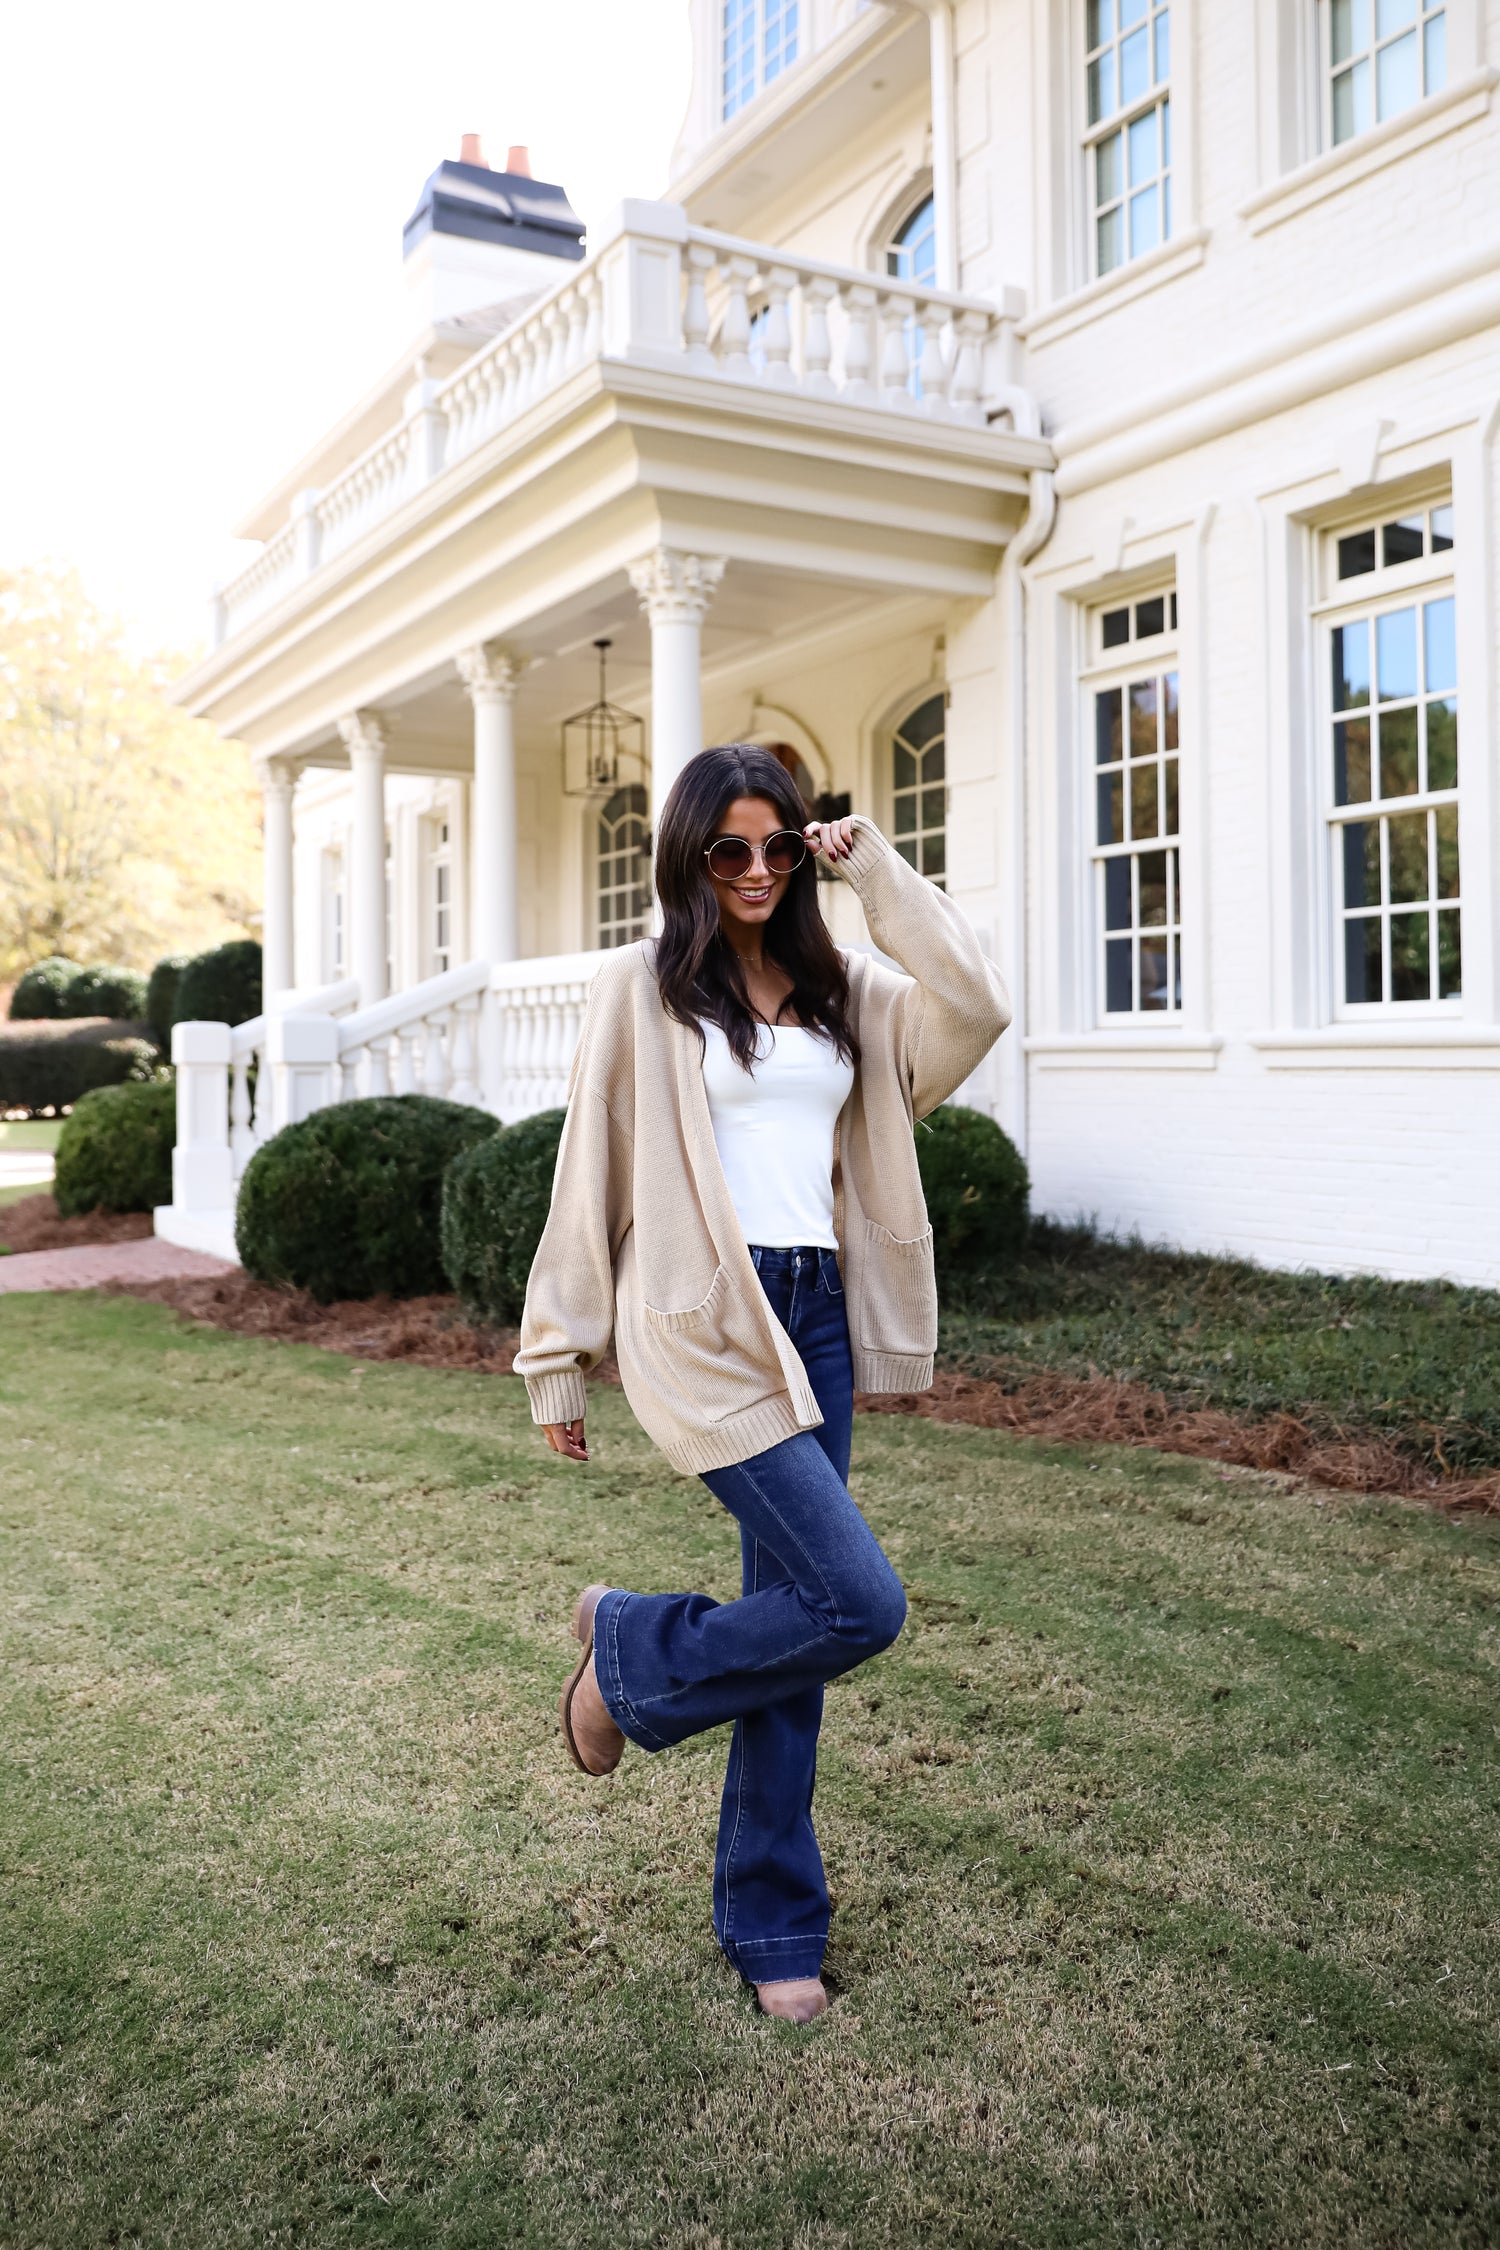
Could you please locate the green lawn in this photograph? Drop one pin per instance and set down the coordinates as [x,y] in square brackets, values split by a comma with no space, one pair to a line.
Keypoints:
[1416,1364]
[1163,1842]
[30,1132]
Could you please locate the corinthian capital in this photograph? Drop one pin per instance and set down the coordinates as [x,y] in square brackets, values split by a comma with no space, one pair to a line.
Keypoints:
[488,673]
[363,733]
[676,589]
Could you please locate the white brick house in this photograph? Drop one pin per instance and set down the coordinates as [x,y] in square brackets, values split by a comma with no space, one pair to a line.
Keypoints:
[1068,427]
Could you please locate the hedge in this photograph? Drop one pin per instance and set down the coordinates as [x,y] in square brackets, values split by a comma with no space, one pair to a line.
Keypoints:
[115,1151]
[161,998]
[49,1066]
[58,988]
[220,987]
[978,1196]
[347,1203]
[495,1203]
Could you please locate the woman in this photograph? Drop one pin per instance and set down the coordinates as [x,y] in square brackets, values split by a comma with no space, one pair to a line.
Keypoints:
[737,1201]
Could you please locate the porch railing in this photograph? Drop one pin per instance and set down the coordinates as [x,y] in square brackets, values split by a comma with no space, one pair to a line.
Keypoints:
[686,300]
[500,1037]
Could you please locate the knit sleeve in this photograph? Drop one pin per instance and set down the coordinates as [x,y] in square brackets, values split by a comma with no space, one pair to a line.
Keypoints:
[570,1294]
[956,1006]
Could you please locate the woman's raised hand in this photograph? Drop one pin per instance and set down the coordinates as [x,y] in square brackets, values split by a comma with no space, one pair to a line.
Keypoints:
[833,838]
[567,1439]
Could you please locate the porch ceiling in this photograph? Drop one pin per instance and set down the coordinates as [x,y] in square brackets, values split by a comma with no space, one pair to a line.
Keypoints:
[821,509]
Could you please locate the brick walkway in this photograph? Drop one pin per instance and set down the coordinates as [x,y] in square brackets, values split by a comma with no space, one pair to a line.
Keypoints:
[150,1260]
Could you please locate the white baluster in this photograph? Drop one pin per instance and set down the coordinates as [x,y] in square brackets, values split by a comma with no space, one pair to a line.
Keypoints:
[593,332]
[406,1067]
[578,322]
[695,318]
[894,362]
[241,1139]
[931,363]
[969,331]
[465,1054]
[859,350]
[557,1055]
[348,1080]
[778,329]
[262,1124]
[555,328]
[817,345]
[378,1077]
[504,1093]
[434,1059]
[734,330]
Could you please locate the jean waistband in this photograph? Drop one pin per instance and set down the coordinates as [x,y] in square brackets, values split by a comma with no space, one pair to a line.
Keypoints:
[806,1255]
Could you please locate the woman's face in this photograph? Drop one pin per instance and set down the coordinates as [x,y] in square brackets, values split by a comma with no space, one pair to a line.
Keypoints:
[747,904]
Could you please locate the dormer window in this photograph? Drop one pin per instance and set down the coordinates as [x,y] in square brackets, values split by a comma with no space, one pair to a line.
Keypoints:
[912,254]
[760,42]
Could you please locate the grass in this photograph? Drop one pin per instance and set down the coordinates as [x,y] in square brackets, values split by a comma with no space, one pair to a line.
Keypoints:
[30,1132]
[1416,1364]
[1162,1842]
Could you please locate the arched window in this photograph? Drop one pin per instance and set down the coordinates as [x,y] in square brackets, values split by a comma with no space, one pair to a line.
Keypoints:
[912,252]
[919,791]
[623,864]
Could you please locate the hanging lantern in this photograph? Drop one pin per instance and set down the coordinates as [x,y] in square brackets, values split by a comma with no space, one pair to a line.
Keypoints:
[602,745]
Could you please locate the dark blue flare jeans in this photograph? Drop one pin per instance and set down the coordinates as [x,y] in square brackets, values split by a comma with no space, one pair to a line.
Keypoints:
[818,1598]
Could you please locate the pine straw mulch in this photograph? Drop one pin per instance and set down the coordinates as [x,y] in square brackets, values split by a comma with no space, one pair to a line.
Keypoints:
[1030,1402]
[32,1223]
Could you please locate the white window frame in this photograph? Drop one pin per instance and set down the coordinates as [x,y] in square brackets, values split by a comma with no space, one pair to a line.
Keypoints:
[1369,596]
[440,894]
[335,900]
[1154,657]
[934,691]
[770,44]
[632,926]
[1120,120]
[1374,43]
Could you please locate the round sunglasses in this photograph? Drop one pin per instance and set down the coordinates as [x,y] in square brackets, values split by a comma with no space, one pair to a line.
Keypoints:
[730,857]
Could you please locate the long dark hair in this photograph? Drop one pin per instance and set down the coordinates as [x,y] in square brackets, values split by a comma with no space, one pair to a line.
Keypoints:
[697,972]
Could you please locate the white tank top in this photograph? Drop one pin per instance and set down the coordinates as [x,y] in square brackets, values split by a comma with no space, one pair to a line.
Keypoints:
[774,1131]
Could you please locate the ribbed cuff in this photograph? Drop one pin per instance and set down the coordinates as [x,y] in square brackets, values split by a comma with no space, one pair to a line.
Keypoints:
[557,1398]
[869,850]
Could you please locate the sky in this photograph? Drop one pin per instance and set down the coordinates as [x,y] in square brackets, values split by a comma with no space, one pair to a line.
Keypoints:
[204,207]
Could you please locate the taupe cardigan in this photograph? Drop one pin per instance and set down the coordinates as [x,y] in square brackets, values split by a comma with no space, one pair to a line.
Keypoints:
[642,1241]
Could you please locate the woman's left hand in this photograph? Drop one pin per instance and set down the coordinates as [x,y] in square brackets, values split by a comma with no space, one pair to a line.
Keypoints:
[833,838]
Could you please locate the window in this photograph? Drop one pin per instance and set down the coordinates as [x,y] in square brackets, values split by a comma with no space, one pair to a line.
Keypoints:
[1137,881]
[760,42]
[623,882]
[1129,140]
[1383,55]
[912,255]
[919,789]
[335,921]
[440,923]
[1393,763]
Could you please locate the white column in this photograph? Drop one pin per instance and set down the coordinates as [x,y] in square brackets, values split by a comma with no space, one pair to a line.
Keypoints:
[675,591]
[276,784]
[942,60]
[364,878]
[494,910]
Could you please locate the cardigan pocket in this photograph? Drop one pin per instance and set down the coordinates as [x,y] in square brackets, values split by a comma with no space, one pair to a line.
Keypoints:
[897,1293]
[692,1316]
[707,1361]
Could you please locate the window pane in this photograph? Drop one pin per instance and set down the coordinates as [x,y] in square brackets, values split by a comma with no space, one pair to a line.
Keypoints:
[1441,648]
[1396,653]
[1399,84]
[906,846]
[1402,541]
[1436,40]
[1117,894]
[1170,773]
[1153,880]
[1101,22]
[1398,753]
[1351,666]
[1135,67]
[933,809]
[1143,719]
[903,767]
[1170,686]
[1351,102]
[1450,959]
[1407,847]
[1393,15]
[1131,11]
[1111,796]
[1111,240]
[1362,863]
[1109,171]
[1102,101]
[1154,972]
[1116,627]
[1145,221]
[1442,745]
[1351,762]
[1109,742]
[1150,617]
[934,763]
[906,815]
[1143,810]
[1143,146]
[1117,995]
[1356,554]
[1164,47]
[1410,976]
[926,723]
[934,855]
[1445,820]
[1442,530]
[1362,959]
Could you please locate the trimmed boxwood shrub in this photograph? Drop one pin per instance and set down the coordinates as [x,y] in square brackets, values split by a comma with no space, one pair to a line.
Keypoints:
[222,986]
[347,1203]
[978,1196]
[52,1065]
[108,992]
[43,991]
[495,1204]
[115,1151]
[161,998]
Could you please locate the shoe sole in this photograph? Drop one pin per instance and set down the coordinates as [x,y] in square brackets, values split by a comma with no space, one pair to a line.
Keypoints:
[584,1632]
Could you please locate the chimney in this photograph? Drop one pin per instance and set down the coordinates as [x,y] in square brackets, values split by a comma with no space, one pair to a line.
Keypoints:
[471,151]
[480,239]
[518,162]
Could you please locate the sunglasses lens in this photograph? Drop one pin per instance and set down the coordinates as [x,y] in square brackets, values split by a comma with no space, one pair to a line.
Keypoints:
[784,852]
[730,858]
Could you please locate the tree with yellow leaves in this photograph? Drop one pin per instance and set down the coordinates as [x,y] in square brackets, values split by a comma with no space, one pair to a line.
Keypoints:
[127,829]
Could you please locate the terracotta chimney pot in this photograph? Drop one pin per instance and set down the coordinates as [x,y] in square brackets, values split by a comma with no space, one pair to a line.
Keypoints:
[471,151]
[519,162]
